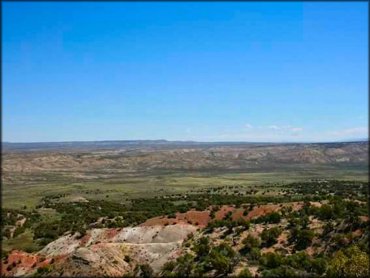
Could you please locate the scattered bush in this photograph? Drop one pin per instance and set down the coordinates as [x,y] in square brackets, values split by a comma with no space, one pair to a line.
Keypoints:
[269,236]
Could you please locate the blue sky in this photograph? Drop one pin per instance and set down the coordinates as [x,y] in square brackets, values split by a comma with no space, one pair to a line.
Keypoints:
[185,71]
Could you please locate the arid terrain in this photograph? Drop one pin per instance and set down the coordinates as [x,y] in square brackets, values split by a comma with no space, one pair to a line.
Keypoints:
[158,208]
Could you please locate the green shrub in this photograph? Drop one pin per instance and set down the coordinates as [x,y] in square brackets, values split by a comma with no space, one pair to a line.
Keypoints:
[44,269]
[254,254]
[202,248]
[168,269]
[250,242]
[282,271]
[302,238]
[350,262]
[222,258]
[271,260]
[245,273]
[269,236]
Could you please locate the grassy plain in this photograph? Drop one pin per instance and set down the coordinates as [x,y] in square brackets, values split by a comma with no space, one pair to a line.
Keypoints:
[121,188]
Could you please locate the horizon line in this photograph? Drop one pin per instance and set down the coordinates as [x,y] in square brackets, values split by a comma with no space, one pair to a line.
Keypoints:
[189,141]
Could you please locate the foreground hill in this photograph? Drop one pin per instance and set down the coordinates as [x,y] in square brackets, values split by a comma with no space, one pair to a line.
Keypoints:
[286,239]
[102,252]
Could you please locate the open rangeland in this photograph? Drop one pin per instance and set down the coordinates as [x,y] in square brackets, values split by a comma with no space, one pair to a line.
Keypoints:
[172,210]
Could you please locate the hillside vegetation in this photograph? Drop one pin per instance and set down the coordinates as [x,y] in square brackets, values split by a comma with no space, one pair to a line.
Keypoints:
[245,211]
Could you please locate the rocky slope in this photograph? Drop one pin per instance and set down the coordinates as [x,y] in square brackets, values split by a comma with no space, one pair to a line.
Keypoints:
[158,241]
[102,252]
[115,252]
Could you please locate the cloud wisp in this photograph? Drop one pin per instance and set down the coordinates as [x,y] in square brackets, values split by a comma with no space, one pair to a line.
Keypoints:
[351,132]
[263,133]
[289,133]
[281,129]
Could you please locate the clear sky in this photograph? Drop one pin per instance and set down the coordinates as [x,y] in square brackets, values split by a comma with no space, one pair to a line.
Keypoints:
[185,71]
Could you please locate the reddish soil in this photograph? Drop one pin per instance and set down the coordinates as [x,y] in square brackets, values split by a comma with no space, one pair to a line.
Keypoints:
[27,260]
[238,213]
[295,205]
[262,210]
[22,260]
[223,211]
[45,262]
[110,233]
[159,221]
[198,218]
[201,218]
[85,239]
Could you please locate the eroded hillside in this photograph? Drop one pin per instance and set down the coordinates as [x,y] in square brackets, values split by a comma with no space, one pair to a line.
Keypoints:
[110,163]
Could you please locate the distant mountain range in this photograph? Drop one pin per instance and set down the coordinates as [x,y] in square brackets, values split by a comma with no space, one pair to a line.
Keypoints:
[133,144]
